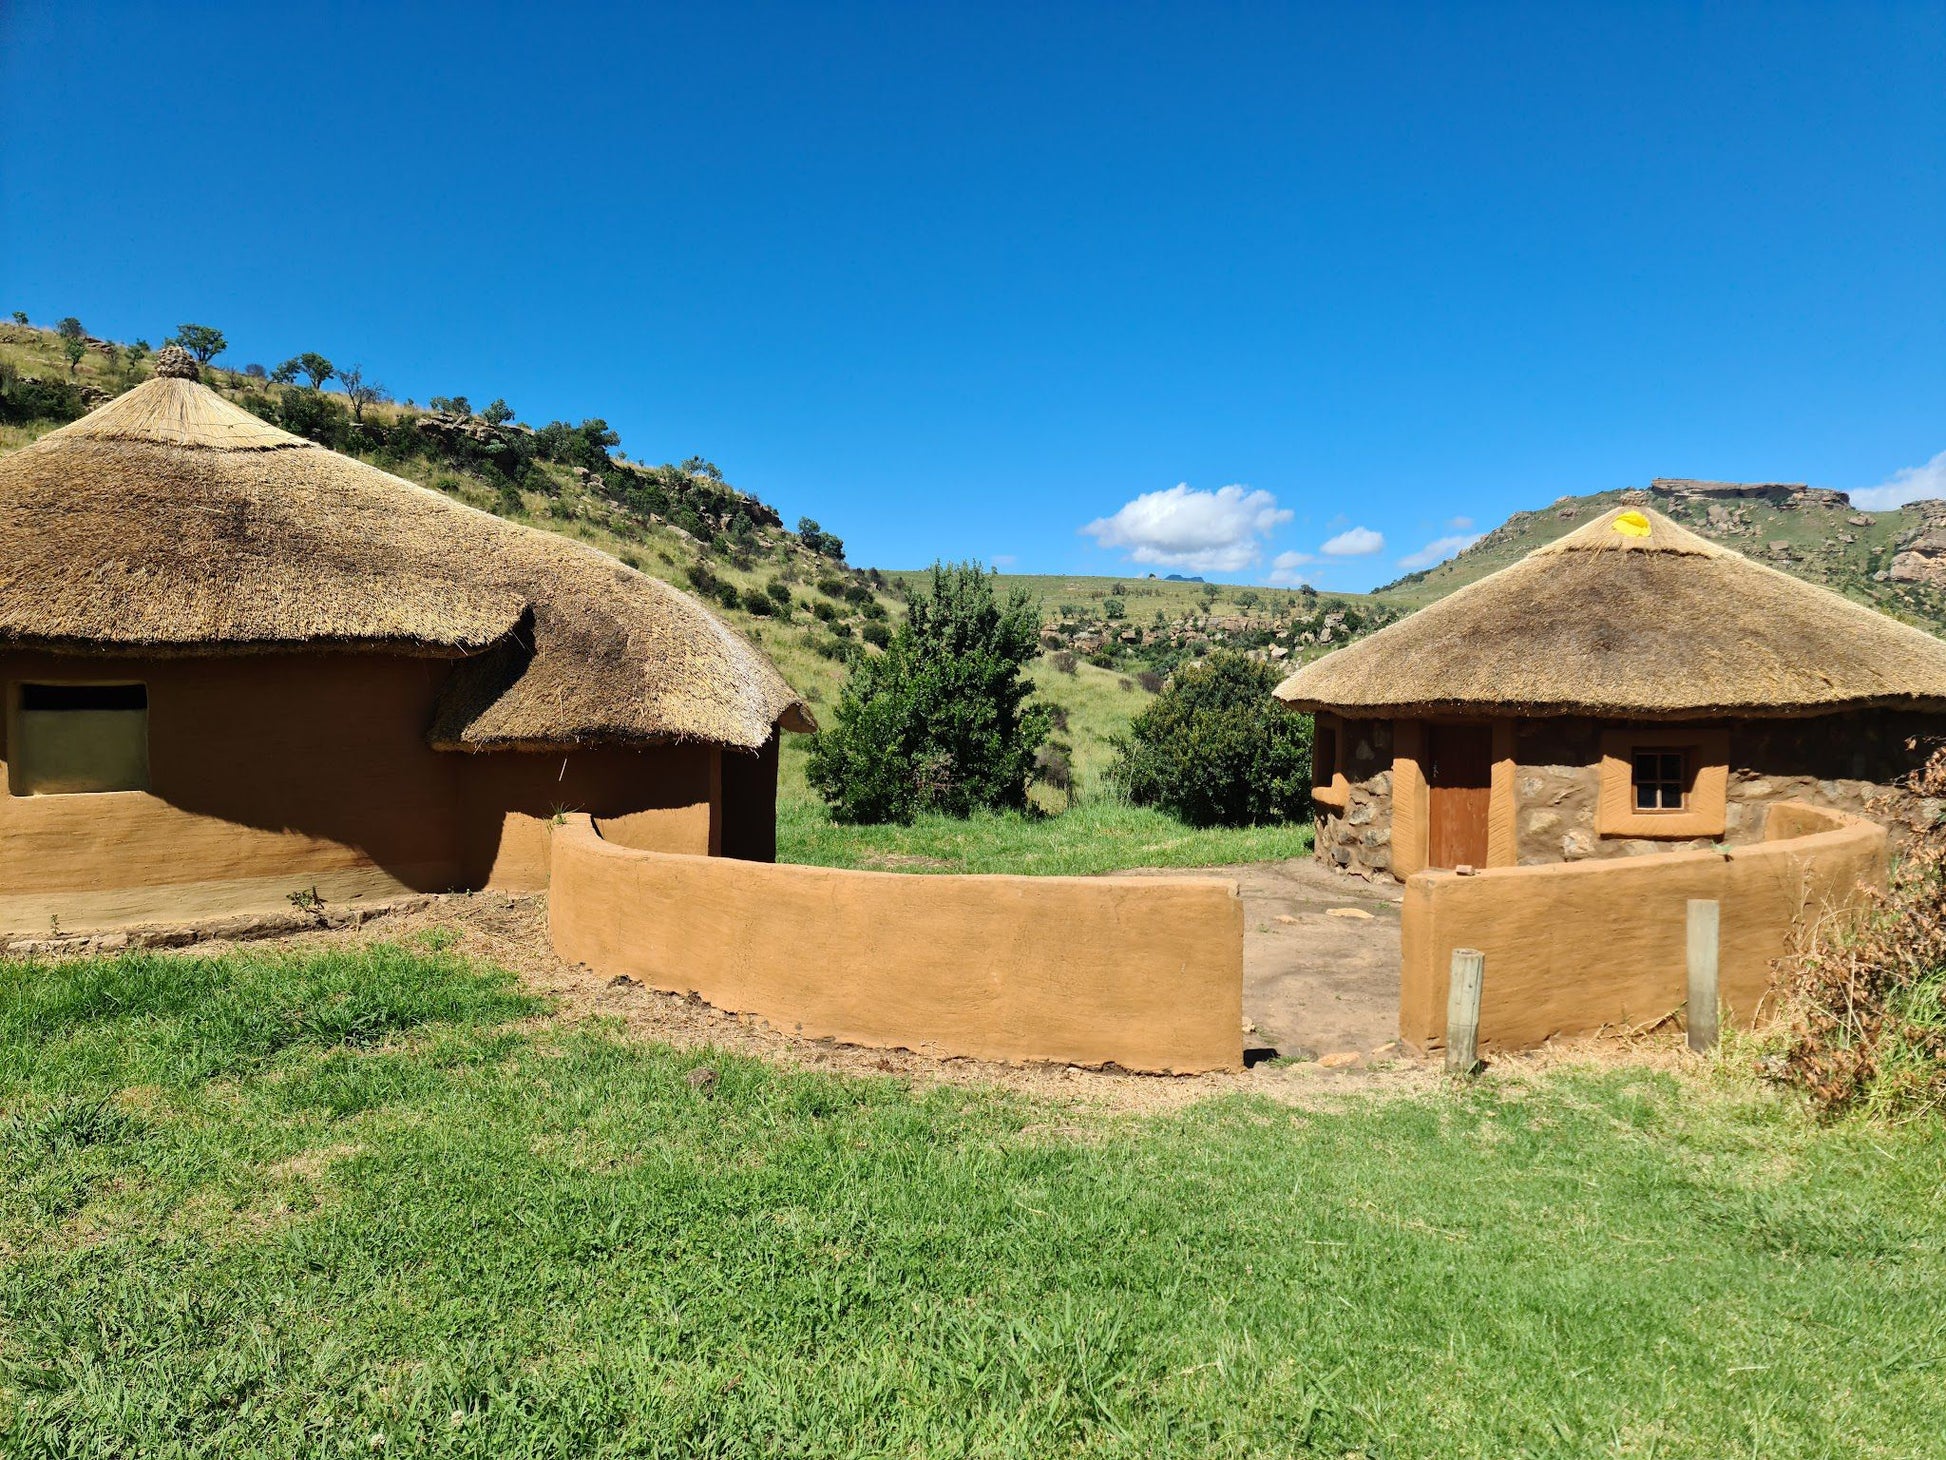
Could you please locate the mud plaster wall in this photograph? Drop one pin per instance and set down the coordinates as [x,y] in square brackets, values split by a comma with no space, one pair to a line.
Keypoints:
[276,774]
[1142,972]
[1575,947]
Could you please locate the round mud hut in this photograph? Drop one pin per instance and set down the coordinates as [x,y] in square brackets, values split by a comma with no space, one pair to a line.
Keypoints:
[1629,688]
[238,666]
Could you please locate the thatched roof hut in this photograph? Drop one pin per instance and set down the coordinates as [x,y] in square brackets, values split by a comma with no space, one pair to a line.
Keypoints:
[1631,616]
[1627,688]
[171,522]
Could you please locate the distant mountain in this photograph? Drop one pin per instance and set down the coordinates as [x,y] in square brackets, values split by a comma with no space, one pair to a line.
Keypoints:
[1895,561]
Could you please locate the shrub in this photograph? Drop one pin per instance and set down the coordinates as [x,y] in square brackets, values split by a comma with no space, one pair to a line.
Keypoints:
[1216,750]
[37,400]
[877,634]
[819,541]
[1150,681]
[1064,662]
[942,720]
[1867,998]
[779,591]
[1114,608]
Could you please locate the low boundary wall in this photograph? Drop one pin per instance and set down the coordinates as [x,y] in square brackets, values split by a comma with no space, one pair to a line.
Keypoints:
[1575,947]
[1141,972]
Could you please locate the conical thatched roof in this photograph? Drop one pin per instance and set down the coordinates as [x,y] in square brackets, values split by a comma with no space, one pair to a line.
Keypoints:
[170,521]
[1631,616]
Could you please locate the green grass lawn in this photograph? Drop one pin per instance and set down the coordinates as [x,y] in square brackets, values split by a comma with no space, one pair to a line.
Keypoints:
[1100,833]
[358,1203]
[1096,836]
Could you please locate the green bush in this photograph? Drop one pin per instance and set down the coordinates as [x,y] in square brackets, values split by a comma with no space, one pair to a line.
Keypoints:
[1215,749]
[943,719]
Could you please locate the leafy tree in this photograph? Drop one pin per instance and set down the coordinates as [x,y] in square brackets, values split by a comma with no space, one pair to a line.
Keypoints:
[1114,608]
[70,329]
[288,372]
[255,372]
[20,316]
[452,405]
[201,340]
[360,391]
[497,413]
[696,466]
[1214,749]
[74,349]
[585,445]
[943,720]
[1248,599]
[313,364]
[824,544]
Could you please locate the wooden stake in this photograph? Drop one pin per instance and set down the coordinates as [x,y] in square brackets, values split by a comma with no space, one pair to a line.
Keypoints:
[1704,927]
[1463,1011]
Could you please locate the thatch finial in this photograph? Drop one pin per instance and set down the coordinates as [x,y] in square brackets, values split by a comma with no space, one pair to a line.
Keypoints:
[176,363]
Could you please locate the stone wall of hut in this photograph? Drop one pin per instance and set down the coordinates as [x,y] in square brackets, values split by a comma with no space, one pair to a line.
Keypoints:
[1855,762]
[1852,762]
[1358,838]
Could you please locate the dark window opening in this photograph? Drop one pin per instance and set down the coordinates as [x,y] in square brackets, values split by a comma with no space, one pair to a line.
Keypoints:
[84,697]
[74,739]
[1324,756]
[1661,780]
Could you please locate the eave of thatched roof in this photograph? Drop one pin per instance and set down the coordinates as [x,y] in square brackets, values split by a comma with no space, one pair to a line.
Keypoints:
[172,522]
[1606,622]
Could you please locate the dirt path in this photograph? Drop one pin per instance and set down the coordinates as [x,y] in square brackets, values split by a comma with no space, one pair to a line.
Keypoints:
[1320,958]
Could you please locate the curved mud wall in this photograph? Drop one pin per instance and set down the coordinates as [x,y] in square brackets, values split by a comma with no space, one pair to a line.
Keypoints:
[276,773]
[1142,972]
[1581,946]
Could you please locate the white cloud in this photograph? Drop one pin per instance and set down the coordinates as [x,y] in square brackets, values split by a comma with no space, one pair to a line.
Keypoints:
[1355,543]
[1204,532]
[1460,524]
[1908,484]
[1286,569]
[1438,550]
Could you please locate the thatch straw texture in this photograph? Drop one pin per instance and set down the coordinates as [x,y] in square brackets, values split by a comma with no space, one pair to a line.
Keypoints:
[1631,616]
[171,522]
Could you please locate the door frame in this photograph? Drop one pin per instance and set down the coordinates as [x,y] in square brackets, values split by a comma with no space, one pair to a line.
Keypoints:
[1412,795]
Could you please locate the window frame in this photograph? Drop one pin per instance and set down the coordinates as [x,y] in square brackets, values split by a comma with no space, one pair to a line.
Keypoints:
[1329,786]
[1706,783]
[17,694]
[1662,781]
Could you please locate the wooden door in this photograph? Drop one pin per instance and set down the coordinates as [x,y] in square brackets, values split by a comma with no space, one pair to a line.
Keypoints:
[1459,780]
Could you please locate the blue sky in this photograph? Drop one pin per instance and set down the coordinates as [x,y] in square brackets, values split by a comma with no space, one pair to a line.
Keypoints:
[1265,292]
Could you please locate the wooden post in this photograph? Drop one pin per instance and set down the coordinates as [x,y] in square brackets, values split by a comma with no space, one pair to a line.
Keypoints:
[1704,927]
[1463,1011]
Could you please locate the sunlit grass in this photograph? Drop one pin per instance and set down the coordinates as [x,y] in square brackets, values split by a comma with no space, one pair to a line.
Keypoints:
[346,1205]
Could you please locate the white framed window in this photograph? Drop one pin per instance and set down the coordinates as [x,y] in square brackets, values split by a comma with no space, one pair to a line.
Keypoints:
[76,739]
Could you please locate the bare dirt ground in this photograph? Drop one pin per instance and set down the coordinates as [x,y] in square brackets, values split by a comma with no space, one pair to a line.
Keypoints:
[1320,959]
